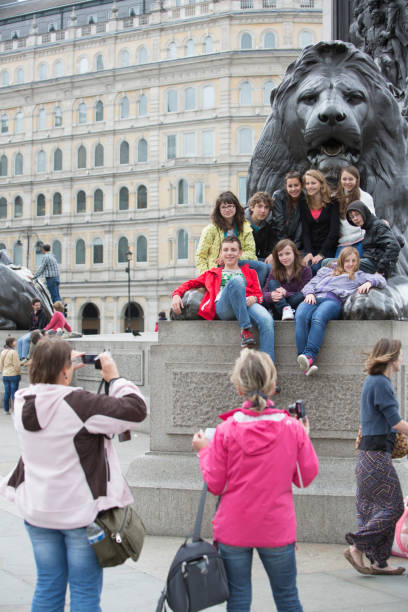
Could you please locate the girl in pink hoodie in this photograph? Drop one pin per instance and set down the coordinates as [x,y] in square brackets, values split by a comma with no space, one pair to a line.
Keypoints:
[255,456]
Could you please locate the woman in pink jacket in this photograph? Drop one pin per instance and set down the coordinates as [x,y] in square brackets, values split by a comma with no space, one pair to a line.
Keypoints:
[255,456]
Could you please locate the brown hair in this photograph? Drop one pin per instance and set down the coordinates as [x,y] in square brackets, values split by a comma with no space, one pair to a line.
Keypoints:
[324,188]
[254,375]
[232,239]
[59,306]
[35,300]
[35,336]
[289,202]
[216,217]
[50,356]
[46,247]
[258,197]
[9,342]
[278,269]
[344,253]
[344,199]
[384,352]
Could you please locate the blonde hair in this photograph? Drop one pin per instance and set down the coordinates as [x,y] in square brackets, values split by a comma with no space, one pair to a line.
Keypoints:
[385,351]
[324,188]
[254,376]
[344,253]
[59,306]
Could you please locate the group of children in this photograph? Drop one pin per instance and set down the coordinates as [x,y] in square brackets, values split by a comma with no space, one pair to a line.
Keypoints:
[296,255]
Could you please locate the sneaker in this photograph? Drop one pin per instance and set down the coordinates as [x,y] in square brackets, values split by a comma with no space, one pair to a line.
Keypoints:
[312,370]
[287,314]
[247,338]
[304,362]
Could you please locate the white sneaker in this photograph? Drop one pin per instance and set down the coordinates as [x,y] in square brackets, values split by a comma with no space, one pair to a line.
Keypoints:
[287,314]
[312,370]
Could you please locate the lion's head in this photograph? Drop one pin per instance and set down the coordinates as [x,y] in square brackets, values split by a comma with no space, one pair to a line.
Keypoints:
[333,108]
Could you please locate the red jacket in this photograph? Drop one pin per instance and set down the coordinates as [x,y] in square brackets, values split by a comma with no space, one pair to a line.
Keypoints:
[211,280]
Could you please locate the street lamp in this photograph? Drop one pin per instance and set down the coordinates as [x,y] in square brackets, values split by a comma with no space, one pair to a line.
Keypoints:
[128,255]
[38,245]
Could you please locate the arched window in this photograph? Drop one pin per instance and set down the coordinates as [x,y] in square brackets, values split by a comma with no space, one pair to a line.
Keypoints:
[124,152]
[18,254]
[190,48]
[245,94]
[141,197]
[98,200]
[83,65]
[199,192]
[3,165]
[142,105]
[82,113]
[208,44]
[246,41]
[82,157]
[182,244]
[58,69]
[81,202]
[208,96]
[40,205]
[99,64]
[268,88]
[269,40]
[4,123]
[124,107]
[57,250]
[42,119]
[18,164]
[97,251]
[142,150]
[2,246]
[124,58]
[189,98]
[19,122]
[3,208]
[5,78]
[18,207]
[91,323]
[142,55]
[245,141]
[124,198]
[57,116]
[99,111]
[182,192]
[141,249]
[41,161]
[43,72]
[98,155]
[57,159]
[57,204]
[306,38]
[80,252]
[19,76]
[123,247]
[172,51]
[172,101]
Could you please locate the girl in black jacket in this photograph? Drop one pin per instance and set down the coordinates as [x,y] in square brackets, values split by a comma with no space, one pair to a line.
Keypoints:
[286,209]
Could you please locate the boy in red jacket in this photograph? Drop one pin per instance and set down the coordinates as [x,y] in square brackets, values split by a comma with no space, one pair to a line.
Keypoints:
[232,292]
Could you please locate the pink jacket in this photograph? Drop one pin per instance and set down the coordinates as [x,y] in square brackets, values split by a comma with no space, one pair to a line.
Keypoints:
[69,470]
[58,321]
[252,462]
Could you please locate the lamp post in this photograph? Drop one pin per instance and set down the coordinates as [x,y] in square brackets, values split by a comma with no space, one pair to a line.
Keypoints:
[128,258]
[28,234]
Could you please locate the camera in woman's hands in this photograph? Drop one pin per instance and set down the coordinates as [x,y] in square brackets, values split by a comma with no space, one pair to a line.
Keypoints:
[297,409]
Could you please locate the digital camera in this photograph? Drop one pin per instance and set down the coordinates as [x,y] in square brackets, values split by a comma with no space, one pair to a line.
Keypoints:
[297,409]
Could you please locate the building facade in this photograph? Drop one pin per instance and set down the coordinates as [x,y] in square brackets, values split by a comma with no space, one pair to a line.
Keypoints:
[120,124]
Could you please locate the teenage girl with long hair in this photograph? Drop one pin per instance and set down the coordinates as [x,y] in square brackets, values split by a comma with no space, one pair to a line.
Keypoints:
[286,209]
[282,292]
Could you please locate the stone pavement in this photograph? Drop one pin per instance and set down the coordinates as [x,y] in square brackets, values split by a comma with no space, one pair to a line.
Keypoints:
[326,582]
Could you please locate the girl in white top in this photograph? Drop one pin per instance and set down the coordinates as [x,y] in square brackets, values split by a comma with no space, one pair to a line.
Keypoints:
[348,190]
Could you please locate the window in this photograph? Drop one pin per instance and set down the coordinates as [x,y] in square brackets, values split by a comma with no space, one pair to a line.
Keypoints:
[268,88]
[182,244]
[42,119]
[57,250]
[98,155]
[19,76]
[18,164]
[269,40]
[80,252]
[141,249]
[18,207]
[58,69]
[99,111]
[245,141]
[19,122]
[208,44]
[189,148]
[199,192]
[172,51]
[43,72]
[171,146]
[4,123]
[40,205]
[81,202]
[100,63]
[124,107]
[142,105]
[124,153]
[5,78]
[57,159]
[83,65]
[124,198]
[242,189]
[245,94]
[57,116]
[98,200]
[189,98]
[142,55]
[142,150]
[306,38]
[172,101]
[82,113]
[82,157]
[41,161]
[123,247]
[208,143]
[246,41]
[3,208]
[124,58]
[141,197]
[182,192]
[3,165]
[97,251]
[208,96]
[190,48]
[18,254]
[57,204]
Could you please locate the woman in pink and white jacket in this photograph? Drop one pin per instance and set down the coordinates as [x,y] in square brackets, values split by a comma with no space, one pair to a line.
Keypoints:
[69,470]
[253,459]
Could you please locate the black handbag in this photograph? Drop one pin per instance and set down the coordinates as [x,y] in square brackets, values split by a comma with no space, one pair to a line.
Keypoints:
[197,577]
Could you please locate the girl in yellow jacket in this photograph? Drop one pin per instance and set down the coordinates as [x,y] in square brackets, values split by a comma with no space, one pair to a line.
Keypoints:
[11,371]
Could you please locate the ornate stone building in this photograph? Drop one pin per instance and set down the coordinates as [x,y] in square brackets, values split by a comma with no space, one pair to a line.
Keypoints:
[120,123]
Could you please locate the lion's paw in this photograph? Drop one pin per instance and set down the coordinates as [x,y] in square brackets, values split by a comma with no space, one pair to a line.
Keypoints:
[374,305]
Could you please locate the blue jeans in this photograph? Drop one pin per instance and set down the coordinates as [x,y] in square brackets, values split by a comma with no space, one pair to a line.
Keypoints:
[10,387]
[23,345]
[279,564]
[366,265]
[261,268]
[357,245]
[64,556]
[53,283]
[232,305]
[310,324]
[293,301]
